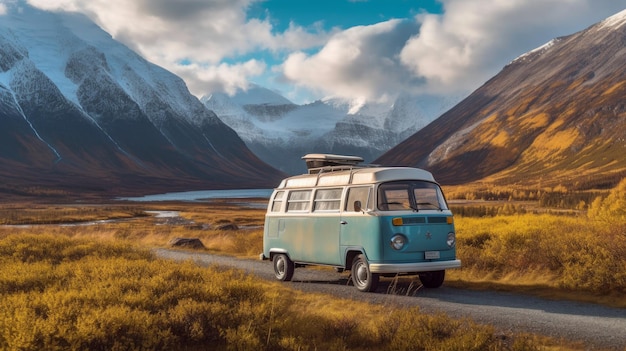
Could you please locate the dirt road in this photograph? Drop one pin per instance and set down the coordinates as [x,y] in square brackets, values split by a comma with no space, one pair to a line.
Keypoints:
[597,326]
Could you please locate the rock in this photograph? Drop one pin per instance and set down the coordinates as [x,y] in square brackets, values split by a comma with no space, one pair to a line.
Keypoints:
[193,243]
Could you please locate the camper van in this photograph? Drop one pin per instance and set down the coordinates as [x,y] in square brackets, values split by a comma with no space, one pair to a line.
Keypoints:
[372,221]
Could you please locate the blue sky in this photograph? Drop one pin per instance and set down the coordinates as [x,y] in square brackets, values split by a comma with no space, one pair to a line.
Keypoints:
[360,50]
[339,13]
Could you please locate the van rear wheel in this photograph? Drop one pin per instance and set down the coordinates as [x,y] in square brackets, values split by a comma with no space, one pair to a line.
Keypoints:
[283,267]
[362,278]
[432,279]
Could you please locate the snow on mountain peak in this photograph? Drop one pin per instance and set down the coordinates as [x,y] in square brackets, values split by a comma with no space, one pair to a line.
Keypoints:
[537,51]
[57,41]
[356,106]
[257,95]
[615,21]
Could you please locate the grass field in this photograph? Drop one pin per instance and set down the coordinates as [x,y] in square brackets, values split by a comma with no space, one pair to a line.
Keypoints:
[66,289]
[95,285]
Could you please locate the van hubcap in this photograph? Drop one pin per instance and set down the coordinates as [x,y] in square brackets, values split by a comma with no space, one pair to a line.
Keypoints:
[361,273]
[280,266]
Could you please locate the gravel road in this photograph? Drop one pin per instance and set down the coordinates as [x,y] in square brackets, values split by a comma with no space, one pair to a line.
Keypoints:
[597,326]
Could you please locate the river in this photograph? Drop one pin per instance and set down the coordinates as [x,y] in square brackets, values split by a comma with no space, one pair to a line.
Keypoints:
[203,195]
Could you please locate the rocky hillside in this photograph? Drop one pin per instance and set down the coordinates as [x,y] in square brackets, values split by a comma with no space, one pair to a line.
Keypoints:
[555,115]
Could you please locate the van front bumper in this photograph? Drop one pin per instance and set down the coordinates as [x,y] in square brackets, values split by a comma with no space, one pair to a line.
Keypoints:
[413,267]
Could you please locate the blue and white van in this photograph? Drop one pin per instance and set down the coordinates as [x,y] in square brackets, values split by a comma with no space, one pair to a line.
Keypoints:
[373,221]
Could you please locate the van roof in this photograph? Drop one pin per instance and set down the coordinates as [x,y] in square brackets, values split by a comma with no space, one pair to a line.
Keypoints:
[356,176]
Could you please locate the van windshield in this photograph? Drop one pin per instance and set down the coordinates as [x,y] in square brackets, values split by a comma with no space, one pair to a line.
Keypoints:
[413,195]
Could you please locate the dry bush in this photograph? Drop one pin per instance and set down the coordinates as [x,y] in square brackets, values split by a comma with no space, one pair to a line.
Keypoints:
[610,209]
[572,252]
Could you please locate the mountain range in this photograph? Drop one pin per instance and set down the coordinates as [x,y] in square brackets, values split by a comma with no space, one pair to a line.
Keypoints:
[271,125]
[553,116]
[81,111]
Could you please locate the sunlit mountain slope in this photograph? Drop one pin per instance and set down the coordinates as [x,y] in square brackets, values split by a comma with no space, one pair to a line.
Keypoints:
[556,115]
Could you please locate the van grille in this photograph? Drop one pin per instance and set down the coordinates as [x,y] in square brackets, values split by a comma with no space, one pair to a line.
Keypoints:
[413,220]
[437,220]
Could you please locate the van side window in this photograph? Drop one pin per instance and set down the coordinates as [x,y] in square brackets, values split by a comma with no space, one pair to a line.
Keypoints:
[299,201]
[278,201]
[327,200]
[358,199]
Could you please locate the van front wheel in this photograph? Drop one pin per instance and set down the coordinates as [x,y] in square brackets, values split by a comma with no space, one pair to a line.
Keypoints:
[432,279]
[283,267]
[362,278]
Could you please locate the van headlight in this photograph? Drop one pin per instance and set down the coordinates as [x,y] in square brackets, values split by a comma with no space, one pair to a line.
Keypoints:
[451,239]
[398,241]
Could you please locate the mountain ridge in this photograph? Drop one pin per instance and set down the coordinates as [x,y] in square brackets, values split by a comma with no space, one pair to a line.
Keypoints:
[552,116]
[83,109]
[277,126]
[82,112]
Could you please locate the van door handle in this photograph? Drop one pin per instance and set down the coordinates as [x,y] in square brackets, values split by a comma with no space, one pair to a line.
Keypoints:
[343,222]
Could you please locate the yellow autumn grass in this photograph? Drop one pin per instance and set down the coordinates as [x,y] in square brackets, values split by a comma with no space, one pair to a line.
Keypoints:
[579,255]
[98,277]
[29,213]
[59,292]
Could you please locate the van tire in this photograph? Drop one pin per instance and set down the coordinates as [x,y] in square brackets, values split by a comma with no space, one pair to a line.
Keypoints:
[362,278]
[432,280]
[283,267]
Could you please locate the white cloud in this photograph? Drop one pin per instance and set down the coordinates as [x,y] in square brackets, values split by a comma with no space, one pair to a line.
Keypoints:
[203,34]
[358,63]
[213,45]
[474,39]
[223,77]
[3,9]
[450,53]
[203,31]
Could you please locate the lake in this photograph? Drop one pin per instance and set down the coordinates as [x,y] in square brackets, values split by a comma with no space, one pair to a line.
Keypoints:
[203,195]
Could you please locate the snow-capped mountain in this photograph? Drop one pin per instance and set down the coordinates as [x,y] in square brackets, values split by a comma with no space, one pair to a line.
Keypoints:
[77,107]
[281,132]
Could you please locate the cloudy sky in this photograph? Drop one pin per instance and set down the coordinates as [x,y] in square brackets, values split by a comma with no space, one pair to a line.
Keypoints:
[355,49]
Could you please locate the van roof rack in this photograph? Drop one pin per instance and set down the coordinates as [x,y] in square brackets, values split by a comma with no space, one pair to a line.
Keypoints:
[319,163]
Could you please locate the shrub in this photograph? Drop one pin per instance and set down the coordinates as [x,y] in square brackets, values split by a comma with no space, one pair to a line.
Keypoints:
[574,252]
[612,208]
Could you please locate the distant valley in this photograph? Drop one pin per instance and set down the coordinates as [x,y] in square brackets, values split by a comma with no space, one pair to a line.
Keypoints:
[281,132]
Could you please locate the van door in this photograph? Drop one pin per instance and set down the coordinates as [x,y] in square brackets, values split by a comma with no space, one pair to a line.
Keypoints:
[359,229]
[326,219]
